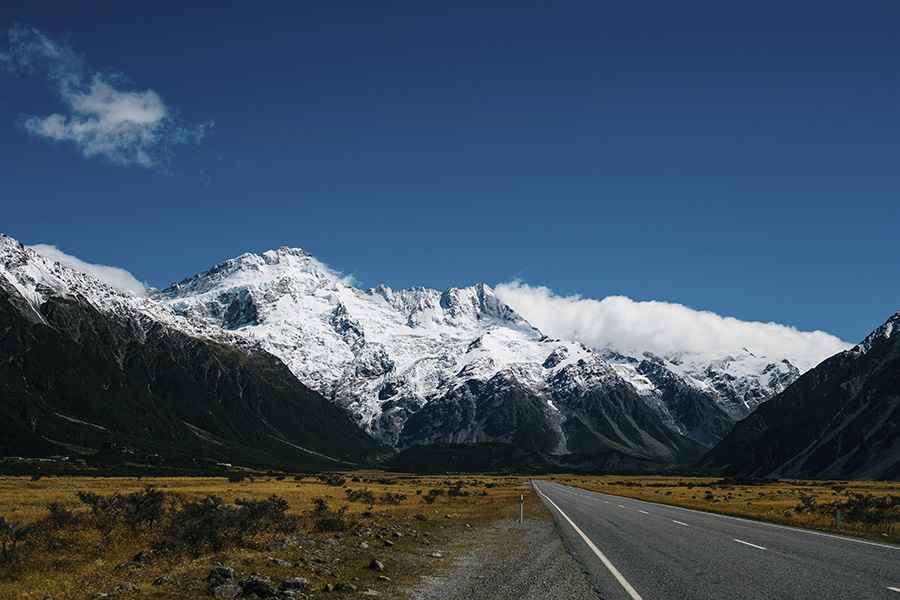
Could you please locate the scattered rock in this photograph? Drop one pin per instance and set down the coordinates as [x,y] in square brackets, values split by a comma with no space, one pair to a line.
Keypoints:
[344,587]
[227,590]
[219,575]
[388,543]
[163,580]
[436,555]
[363,545]
[261,586]
[280,562]
[370,592]
[298,584]
[282,544]
[383,578]
[376,565]
[397,534]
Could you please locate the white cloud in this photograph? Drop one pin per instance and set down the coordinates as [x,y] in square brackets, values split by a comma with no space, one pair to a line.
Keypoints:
[103,118]
[664,328]
[113,276]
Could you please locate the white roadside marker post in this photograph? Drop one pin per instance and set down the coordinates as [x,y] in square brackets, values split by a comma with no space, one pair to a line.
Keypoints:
[521,509]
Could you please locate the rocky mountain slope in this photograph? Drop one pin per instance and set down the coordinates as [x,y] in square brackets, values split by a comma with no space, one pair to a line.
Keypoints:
[422,365]
[839,420]
[86,370]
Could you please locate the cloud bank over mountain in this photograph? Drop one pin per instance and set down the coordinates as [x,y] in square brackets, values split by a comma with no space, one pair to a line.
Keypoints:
[665,328]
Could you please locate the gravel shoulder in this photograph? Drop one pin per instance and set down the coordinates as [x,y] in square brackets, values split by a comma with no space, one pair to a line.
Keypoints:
[509,561]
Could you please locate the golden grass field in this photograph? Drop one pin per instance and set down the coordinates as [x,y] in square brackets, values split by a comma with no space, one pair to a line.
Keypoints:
[84,565]
[772,502]
[79,563]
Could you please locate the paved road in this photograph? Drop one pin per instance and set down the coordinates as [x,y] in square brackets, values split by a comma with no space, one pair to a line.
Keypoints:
[634,549]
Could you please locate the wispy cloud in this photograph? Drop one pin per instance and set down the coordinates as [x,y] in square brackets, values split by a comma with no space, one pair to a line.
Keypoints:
[113,276]
[105,116]
[625,325]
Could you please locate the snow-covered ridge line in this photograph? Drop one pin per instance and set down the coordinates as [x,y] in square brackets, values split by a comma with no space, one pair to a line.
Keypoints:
[385,354]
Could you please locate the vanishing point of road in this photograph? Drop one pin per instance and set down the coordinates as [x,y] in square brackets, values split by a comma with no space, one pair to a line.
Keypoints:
[641,550]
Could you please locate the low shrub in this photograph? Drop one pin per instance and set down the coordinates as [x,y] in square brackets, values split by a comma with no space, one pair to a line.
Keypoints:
[211,523]
[331,521]
[334,479]
[11,536]
[365,496]
[391,498]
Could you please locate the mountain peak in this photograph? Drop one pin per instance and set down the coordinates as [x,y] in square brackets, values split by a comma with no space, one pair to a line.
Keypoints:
[887,330]
[250,269]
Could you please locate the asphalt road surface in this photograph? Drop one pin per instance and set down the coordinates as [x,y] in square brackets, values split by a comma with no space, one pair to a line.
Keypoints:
[634,549]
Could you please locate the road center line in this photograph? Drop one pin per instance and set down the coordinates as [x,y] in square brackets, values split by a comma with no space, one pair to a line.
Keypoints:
[749,544]
[620,506]
[606,563]
[680,523]
[893,589]
[643,512]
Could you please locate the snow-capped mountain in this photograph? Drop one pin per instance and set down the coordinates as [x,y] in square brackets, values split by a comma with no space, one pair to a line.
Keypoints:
[421,365]
[88,370]
[384,355]
[381,354]
[738,382]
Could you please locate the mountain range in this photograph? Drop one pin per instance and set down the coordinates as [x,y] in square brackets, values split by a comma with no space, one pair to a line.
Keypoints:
[421,365]
[271,358]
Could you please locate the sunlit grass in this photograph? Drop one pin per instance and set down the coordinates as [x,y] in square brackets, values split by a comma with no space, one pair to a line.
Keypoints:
[773,502]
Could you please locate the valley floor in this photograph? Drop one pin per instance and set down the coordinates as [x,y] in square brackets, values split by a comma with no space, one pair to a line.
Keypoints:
[348,535]
[355,534]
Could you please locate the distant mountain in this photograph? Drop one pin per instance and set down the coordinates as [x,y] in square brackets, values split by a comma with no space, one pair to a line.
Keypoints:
[839,420]
[87,371]
[410,367]
[427,366]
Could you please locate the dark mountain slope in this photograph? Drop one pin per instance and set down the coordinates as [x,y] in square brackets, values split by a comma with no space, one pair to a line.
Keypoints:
[76,380]
[839,420]
[576,418]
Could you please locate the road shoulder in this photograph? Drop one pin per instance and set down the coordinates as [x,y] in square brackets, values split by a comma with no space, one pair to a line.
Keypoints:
[509,561]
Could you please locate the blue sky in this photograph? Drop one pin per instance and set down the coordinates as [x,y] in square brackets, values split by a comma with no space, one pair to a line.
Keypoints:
[742,160]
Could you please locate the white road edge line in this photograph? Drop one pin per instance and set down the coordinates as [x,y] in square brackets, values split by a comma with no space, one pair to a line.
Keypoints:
[749,544]
[680,523]
[893,589]
[606,563]
[748,521]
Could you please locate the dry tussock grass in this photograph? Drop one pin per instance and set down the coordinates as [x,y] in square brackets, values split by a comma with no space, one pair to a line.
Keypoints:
[81,562]
[775,502]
